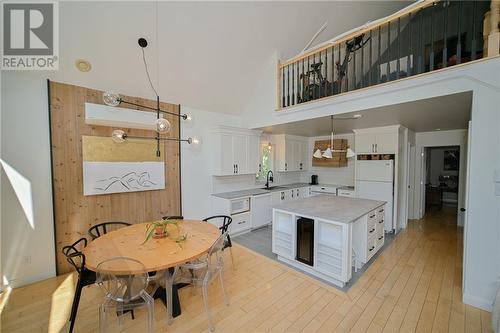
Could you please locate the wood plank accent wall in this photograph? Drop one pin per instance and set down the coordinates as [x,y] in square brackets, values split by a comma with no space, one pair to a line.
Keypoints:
[339,158]
[74,213]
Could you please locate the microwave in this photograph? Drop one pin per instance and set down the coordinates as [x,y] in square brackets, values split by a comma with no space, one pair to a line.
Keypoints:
[240,205]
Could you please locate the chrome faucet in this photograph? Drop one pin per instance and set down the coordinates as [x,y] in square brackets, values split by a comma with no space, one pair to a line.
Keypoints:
[269,178]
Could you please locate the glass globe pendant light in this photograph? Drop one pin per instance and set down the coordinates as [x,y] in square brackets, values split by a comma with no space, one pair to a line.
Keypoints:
[163,125]
[111,99]
[118,136]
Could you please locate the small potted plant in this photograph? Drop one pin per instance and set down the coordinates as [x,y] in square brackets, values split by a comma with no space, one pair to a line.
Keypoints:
[159,229]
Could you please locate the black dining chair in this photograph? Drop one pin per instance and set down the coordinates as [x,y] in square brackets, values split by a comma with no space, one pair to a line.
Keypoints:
[86,277]
[226,221]
[100,229]
[178,217]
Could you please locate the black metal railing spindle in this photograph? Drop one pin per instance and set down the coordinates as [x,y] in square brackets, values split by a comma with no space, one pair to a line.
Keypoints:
[431,53]
[398,37]
[333,72]
[409,58]
[388,58]
[473,42]
[354,82]
[325,88]
[459,33]
[379,50]
[293,84]
[362,82]
[370,63]
[283,87]
[420,42]
[445,35]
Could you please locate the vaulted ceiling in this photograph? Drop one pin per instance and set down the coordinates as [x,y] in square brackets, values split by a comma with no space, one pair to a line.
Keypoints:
[202,54]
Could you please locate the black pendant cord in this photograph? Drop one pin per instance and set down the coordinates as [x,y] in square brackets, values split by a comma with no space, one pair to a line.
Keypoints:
[157,131]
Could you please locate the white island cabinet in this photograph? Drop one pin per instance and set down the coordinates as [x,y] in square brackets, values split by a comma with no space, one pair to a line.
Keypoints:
[337,228]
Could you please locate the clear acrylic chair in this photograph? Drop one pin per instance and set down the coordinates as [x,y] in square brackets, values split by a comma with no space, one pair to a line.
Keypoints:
[123,292]
[204,270]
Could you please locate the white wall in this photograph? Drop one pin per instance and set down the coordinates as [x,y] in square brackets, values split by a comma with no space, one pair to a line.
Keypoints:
[26,197]
[439,139]
[334,176]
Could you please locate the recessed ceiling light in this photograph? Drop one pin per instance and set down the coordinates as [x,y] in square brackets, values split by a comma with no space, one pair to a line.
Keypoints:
[83,65]
[356,116]
[437,129]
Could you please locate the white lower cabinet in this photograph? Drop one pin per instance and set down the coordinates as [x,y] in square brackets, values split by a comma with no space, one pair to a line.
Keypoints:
[241,222]
[368,236]
[284,235]
[329,252]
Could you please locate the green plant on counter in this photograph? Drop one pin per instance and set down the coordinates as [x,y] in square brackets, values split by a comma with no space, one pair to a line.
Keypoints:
[159,228]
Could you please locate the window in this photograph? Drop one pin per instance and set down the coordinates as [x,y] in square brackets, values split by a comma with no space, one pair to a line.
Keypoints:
[266,153]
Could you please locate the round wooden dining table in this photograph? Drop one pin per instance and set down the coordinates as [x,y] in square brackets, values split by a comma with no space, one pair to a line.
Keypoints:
[156,254]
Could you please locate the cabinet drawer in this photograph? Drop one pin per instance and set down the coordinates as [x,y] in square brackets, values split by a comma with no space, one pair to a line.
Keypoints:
[324,189]
[371,248]
[345,193]
[240,222]
[372,230]
[380,237]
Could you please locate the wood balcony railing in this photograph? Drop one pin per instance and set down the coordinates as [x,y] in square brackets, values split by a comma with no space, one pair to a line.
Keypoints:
[421,38]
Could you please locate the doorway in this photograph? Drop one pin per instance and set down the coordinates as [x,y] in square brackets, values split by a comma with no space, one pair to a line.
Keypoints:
[442,177]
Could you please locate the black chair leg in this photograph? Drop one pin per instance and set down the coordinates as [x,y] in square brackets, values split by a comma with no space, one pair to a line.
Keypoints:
[74,307]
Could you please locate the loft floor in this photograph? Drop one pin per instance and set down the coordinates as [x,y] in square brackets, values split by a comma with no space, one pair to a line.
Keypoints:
[414,285]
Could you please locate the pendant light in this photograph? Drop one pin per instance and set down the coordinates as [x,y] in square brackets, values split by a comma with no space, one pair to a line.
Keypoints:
[328,153]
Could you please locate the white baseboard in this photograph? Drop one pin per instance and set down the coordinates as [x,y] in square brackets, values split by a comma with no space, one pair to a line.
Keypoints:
[477,302]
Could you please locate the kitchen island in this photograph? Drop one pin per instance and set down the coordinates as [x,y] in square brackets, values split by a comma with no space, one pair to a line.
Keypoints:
[326,235]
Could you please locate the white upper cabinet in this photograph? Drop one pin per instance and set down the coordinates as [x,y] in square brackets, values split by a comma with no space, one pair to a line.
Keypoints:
[254,157]
[291,153]
[386,143]
[235,151]
[364,144]
[377,140]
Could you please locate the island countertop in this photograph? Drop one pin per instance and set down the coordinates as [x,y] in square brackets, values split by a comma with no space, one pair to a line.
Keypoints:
[331,208]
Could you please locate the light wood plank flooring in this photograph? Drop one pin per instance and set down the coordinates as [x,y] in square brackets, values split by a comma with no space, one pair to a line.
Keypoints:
[415,285]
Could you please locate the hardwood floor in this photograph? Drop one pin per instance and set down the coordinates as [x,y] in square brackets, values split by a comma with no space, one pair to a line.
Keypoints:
[414,286]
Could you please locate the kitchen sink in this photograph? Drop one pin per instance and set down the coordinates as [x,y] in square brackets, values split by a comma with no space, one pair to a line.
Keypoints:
[273,188]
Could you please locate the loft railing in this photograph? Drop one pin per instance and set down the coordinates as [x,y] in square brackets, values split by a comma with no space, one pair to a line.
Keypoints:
[423,38]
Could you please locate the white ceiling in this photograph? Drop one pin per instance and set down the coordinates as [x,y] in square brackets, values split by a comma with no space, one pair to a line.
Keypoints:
[205,55]
[443,113]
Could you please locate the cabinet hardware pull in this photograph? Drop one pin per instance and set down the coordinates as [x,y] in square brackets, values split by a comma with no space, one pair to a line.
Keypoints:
[381,221]
[372,216]
[242,222]
[381,237]
[371,249]
[371,231]
[381,211]
[236,168]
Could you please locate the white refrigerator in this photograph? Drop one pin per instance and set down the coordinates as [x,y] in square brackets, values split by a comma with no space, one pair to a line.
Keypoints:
[375,180]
